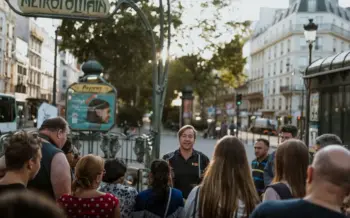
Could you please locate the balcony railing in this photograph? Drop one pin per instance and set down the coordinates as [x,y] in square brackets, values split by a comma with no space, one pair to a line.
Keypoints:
[289,89]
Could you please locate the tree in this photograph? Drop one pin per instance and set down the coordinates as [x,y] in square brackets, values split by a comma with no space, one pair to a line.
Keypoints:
[121,44]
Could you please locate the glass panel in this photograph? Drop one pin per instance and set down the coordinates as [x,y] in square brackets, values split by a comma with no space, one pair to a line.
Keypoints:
[347,61]
[336,112]
[327,63]
[346,135]
[338,61]
[325,103]
[316,64]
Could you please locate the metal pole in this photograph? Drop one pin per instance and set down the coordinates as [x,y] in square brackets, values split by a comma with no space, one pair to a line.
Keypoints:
[308,100]
[216,105]
[180,116]
[238,120]
[55,71]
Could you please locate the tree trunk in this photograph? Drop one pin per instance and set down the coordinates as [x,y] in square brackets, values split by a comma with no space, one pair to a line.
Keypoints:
[137,96]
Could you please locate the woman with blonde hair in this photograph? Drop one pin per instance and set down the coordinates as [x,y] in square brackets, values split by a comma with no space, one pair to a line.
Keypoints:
[227,190]
[291,163]
[86,201]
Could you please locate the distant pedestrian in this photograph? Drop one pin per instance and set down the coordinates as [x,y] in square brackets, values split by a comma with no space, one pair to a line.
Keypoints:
[261,149]
[22,157]
[227,190]
[187,164]
[292,160]
[160,200]
[287,132]
[328,183]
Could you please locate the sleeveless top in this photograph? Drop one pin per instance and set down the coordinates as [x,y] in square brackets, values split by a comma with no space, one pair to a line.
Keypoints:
[42,181]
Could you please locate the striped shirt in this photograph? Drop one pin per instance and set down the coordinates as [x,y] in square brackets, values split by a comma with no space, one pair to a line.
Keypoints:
[258,174]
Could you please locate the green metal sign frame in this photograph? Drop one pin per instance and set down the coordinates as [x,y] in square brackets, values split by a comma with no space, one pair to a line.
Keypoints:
[160,71]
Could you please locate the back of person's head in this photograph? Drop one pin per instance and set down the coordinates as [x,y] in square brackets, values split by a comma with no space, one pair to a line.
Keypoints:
[20,149]
[227,180]
[291,162]
[54,124]
[160,173]
[293,130]
[87,170]
[327,139]
[115,169]
[331,168]
[18,204]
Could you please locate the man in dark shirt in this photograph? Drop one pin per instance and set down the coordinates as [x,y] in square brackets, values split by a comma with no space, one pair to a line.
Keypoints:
[187,164]
[22,159]
[261,149]
[328,183]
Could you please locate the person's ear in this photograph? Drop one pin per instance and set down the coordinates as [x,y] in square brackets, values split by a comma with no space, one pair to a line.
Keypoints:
[310,172]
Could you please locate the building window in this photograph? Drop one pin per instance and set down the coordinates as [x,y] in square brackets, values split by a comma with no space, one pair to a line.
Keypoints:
[64,84]
[280,103]
[312,5]
[281,66]
[334,45]
[282,48]
[288,45]
[275,52]
[274,69]
[273,104]
[63,96]
[342,46]
[64,73]
[274,87]
[318,43]
[288,65]
[269,53]
[269,69]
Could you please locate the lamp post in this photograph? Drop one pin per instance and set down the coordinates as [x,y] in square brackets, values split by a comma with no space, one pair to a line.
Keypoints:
[216,80]
[177,102]
[310,36]
[54,91]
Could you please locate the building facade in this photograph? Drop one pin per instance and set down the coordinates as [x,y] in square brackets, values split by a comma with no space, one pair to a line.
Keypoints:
[279,54]
[69,73]
[7,47]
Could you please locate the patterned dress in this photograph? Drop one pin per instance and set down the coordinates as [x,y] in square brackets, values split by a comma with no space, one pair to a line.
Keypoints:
[125,194]
[97,207]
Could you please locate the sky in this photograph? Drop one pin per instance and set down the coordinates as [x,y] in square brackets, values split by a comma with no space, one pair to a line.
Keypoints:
[239,10]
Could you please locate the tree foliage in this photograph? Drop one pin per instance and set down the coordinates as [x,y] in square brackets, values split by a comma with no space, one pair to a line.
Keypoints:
[122,45]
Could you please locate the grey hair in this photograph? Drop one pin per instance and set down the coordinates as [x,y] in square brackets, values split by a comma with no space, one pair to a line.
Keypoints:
[328,139]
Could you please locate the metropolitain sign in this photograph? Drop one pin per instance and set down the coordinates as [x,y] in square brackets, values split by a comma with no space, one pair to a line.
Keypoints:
[89,8]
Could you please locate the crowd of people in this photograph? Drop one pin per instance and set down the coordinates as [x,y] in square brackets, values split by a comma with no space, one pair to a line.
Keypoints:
[45,176]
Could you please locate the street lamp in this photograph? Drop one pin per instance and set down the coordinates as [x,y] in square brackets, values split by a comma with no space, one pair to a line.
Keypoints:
[310,36]
[216,80]
[177,102]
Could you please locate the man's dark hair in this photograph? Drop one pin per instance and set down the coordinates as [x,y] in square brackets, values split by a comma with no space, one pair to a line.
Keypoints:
[20,148]
[54,124]
[115,169]
[265,141]
[18,204]
[67,147]
[290,129]
[96,103]
[328,139]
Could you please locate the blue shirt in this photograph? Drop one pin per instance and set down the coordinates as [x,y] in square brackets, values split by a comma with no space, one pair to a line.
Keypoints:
[146,201]
[258,174]
[296,208]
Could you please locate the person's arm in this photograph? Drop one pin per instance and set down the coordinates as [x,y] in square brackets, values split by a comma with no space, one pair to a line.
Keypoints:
[2,166]
[60,175]
[190,205]
[268,172]
[117,212]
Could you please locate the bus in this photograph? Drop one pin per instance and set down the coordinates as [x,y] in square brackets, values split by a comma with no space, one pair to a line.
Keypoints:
[8,113]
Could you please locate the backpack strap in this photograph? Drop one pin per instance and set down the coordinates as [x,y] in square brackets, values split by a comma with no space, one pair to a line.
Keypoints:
[195,203]
[282,190]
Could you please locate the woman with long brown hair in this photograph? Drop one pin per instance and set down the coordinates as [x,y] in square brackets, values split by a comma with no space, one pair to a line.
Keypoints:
[86,200]
[227,190]
[291,162]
